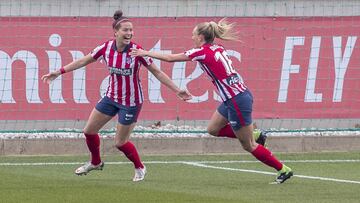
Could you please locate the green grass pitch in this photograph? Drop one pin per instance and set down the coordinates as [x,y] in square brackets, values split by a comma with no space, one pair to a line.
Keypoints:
[319,177]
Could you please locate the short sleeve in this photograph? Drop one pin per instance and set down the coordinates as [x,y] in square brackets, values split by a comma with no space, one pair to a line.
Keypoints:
[98,51]
[145,60]
[196,54]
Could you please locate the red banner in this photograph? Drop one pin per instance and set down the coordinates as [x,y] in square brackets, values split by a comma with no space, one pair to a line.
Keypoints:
[295,67]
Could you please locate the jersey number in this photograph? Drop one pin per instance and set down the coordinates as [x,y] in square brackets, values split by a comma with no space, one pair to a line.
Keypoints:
[225,61]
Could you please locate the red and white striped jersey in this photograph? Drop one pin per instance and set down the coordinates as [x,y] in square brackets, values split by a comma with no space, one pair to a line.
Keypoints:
[124,82]
[214,60]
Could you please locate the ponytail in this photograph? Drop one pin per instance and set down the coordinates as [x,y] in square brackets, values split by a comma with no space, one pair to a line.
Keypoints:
[225,30]
[222,30]
[118,19]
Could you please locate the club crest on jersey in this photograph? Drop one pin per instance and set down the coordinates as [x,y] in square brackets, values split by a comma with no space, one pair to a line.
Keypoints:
[121,71]
[128,60]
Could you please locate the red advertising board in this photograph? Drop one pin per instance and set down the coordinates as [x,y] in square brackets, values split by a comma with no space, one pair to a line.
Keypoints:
[295,67]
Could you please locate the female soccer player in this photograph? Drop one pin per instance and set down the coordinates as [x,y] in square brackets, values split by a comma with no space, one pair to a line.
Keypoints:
[124,95]
[233,116]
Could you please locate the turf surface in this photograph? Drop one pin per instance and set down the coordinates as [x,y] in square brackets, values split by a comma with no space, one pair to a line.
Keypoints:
[193,178]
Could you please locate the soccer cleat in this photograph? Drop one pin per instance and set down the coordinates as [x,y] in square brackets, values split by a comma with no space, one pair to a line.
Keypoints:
[139,174]
[87,167]
[260,137]
[284,174]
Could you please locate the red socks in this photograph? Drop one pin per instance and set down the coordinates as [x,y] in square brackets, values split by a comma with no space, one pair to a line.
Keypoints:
[226,131]
[265,156]
[261,153]
[131,153]
[93,143]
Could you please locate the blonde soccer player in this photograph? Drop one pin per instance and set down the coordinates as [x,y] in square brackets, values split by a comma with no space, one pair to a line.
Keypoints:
[233,118]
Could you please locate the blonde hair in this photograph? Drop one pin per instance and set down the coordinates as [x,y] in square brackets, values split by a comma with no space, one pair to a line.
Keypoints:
[222,30]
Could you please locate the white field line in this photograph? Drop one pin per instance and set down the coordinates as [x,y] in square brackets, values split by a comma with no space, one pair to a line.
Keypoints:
[270,173]
[203,164]
[178,162]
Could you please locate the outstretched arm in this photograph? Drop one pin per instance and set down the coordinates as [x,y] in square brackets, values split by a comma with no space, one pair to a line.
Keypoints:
[163,57]
[68,68]
[163,78]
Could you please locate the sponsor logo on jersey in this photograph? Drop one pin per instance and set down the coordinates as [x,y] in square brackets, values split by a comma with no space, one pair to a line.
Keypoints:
[120,71]
[233,79]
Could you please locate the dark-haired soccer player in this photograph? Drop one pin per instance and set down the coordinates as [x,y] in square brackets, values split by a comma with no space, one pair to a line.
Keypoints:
[124,96]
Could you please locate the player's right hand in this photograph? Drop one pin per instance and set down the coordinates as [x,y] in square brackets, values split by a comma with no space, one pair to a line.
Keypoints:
[184,95]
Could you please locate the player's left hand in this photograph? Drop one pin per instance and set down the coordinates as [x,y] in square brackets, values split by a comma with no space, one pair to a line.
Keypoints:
[50,76]
[184,95]
[137,52]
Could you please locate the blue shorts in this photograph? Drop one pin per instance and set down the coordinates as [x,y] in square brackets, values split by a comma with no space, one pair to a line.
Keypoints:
[126,114]
[238,110]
